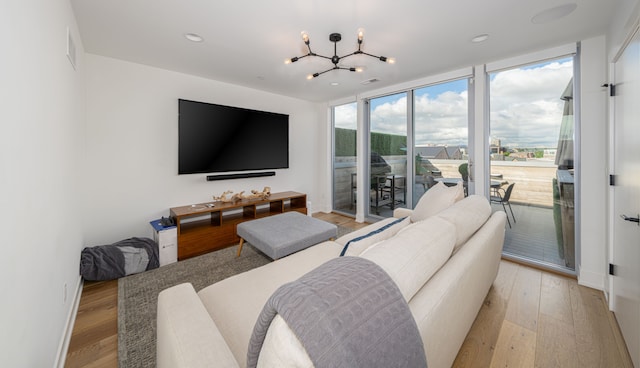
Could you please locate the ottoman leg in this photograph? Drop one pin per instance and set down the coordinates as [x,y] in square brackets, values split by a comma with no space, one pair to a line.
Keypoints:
[240,246]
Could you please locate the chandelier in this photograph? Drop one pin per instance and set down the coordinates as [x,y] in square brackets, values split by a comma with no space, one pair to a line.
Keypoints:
[335,59]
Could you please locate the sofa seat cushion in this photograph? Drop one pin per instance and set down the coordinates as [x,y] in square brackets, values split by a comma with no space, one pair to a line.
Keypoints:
[235,303]
[414,254]
[467,216]
[439,197]
[187,337]
[358,241]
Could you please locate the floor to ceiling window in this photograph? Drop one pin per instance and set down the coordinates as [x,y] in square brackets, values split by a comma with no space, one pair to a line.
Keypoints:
[441,126]
[531,159]
[422,135]
[387,178]
[344,119]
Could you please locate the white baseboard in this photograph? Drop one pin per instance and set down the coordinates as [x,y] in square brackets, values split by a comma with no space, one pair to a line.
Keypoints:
[591,279]
[71,319]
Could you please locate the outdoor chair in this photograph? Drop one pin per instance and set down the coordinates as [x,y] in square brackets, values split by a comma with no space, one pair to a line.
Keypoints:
[502,197]
[427,181]
[495,188]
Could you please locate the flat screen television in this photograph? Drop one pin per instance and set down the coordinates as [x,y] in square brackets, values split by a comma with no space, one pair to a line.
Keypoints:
[215,138]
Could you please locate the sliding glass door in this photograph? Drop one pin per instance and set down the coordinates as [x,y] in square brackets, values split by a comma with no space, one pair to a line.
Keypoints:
[531,160]
[387,177]
[435,118]
[441,126]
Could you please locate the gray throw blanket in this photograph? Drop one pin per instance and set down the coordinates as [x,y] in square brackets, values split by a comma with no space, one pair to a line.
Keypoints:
[346,313]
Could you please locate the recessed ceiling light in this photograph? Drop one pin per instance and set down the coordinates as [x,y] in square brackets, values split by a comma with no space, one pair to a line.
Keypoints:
[480,38]
[335,83]
[552,14]
[193,37]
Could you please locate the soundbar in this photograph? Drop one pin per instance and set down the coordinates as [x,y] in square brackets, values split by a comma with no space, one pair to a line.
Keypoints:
[240,176]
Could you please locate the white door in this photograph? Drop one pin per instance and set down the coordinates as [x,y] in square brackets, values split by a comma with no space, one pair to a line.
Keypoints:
[625,292]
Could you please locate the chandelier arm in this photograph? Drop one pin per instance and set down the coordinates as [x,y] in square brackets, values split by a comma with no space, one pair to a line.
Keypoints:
[364,53]
[322,56]
[351,54]
[326,71]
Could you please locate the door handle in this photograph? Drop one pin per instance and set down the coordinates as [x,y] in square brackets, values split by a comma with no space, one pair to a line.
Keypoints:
[631,219]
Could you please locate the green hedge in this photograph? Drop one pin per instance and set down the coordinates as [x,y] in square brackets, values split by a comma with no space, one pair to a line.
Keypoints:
[384,144]
[345,142]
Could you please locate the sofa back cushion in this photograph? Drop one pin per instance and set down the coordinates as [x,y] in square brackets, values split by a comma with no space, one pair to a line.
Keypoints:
[467,215]
[415,254]
[436,199]
[358,241]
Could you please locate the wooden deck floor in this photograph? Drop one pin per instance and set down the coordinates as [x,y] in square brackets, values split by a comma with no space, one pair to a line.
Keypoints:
[533,236]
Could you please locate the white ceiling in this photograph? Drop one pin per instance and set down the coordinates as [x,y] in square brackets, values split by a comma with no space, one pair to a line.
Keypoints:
[246,42]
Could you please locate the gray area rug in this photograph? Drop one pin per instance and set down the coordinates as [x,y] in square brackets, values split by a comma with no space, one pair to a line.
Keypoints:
[138,296]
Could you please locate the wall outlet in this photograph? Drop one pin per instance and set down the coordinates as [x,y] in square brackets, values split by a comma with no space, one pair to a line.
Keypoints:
[64,293]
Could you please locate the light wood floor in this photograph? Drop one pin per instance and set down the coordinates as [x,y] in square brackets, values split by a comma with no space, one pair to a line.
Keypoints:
[530,318]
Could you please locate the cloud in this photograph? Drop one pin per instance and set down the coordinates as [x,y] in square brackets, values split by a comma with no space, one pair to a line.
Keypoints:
[438,120]
[346,116]
[525,104]
[390,117]
[441,120]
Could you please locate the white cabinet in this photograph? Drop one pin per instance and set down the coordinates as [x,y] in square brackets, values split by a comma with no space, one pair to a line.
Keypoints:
[167,239]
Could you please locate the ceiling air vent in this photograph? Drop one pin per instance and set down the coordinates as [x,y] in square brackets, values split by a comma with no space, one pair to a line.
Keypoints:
[369,81]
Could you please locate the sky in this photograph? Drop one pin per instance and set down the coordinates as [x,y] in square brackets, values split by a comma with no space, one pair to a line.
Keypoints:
[526,109]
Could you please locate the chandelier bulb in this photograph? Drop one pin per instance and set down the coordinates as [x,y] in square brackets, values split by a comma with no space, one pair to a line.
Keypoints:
[310,76]
[305,37]
[360,35]
[391,60]
[359,69]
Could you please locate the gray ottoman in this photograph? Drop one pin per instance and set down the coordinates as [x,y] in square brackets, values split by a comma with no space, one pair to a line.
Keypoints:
[280,235]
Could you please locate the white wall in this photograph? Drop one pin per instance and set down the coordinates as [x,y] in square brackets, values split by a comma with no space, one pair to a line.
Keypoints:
[593,163]
[41,147]
[132,146]
[626,18]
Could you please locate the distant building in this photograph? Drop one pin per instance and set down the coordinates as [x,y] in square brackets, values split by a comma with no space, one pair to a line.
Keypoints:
[432,152]
[550,153]
[454,153]
[495,145]
[440,152]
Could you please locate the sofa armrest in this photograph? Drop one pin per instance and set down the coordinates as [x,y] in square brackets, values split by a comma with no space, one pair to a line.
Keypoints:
[402,212]
[187,336]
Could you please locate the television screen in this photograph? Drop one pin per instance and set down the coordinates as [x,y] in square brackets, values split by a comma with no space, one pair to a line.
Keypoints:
[215,138]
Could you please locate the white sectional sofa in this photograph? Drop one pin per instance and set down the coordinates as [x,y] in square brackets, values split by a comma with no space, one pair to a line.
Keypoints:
[444,257]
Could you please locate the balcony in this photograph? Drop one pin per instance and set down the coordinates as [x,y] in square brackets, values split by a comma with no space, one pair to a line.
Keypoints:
[544,226]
